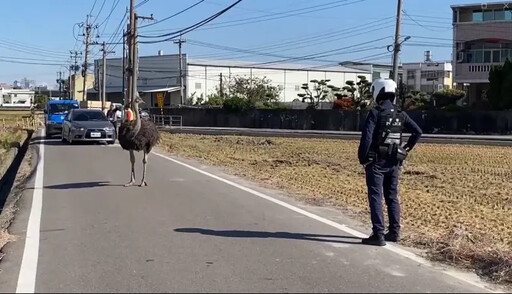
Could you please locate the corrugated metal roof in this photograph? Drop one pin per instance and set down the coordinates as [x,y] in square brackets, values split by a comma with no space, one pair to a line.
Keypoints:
[278,66]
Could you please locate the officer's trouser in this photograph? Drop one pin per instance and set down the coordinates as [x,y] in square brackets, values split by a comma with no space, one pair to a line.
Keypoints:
[383,176]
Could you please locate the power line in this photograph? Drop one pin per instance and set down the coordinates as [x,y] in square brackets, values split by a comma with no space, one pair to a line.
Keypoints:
[141,3]
[421,25]
[313,41]
[33,47]
[93,5]
[99,12]
[105,21]
[322,54]
[32,63]
[192,27]
[171,16]
[279,15]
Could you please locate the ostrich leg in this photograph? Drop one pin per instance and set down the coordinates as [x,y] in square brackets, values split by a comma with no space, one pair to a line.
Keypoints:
[132,160]
[144,163]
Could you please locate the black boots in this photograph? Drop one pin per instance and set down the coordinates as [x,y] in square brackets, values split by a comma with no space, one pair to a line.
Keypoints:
[375,240]
[392,237]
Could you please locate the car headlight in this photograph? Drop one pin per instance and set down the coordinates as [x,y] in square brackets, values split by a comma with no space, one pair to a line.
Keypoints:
[77,129]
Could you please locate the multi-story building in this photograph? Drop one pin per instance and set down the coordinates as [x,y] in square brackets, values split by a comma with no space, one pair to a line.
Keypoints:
[428,77]
[482,36]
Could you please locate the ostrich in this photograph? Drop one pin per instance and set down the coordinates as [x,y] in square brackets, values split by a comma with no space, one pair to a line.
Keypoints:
[138,135]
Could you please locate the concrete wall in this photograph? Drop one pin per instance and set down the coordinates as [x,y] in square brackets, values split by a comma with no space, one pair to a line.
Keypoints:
[461,122]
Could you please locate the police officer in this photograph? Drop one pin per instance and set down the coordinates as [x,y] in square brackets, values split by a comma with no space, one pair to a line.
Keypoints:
[381,153]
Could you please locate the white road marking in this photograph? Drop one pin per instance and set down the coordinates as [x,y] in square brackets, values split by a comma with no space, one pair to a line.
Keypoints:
[467,278]
[28,270]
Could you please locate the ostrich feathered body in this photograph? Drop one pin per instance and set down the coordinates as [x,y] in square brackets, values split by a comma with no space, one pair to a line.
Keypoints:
[144,140]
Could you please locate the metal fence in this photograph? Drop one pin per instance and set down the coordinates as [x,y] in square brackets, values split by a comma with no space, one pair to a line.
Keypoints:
[173,121]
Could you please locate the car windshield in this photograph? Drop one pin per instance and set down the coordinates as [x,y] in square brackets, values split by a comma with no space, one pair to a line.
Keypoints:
[89,116]
[61,108]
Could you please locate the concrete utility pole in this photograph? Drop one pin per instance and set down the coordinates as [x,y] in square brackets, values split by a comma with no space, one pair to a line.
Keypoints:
[124,68]
[396,49]
[87,34]
[74,67]
[180,41]
[59,80]
[103,88]
[221,88]
[133,53]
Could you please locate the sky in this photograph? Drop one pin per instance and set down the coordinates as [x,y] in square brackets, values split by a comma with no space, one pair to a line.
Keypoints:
[313,33]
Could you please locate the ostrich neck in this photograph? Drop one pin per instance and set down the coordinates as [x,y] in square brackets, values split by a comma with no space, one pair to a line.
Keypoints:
[136,117]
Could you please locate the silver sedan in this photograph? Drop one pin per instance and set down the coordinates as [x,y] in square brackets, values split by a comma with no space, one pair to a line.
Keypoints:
[88,125]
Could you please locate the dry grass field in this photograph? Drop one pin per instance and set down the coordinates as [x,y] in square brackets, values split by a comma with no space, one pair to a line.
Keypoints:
[456,200]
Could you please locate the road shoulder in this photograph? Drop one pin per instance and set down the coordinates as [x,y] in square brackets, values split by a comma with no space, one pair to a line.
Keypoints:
[333,216]
[14,218]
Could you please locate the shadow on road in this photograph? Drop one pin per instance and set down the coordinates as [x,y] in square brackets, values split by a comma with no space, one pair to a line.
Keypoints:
[82,185]
[276,235]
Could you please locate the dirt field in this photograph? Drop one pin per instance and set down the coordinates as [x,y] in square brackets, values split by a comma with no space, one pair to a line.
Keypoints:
[456,200]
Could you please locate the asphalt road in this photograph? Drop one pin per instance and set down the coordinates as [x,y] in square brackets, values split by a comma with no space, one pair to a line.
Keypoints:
[488,140]
[189,232]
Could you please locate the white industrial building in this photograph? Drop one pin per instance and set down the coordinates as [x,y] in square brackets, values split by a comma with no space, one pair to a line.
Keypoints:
[160,74]
[204,76]
[16,98]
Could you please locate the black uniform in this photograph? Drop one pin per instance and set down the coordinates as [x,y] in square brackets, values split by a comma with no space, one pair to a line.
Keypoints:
[379,150]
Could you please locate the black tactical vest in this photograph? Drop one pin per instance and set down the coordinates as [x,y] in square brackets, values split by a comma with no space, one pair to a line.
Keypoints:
[387,136]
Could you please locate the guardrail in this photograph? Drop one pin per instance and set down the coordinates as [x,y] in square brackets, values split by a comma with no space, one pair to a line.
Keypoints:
[167,120]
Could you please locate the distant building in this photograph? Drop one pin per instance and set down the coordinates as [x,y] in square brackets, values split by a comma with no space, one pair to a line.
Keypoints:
[16,98]
[482,37]
[376,70]
[77,86]
[428,77]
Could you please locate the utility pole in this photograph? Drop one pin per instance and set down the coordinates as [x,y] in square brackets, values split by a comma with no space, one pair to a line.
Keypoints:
[396,49]
[133,53]
[220,86]
[131,48]
[75,67]
[124,68]
[103,88]
[180,41]
[59,80]
[87,34]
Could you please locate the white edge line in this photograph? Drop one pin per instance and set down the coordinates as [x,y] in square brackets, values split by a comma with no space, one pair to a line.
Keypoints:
[28,269]
[344,228]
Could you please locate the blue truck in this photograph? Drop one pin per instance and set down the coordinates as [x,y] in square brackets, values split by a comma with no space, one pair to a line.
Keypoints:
[55,112]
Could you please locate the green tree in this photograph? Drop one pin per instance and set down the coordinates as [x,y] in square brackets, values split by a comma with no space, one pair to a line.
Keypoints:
[416,100]
[447,97]
[40,100]
[257,91]
[214,100]
[500,89]
[321,91]
[358,91]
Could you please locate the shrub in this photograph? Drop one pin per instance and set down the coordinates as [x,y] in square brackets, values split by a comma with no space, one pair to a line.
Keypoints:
[237,104]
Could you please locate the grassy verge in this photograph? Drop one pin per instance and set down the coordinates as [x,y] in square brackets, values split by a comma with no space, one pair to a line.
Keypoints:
[12,135]
[456,200]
